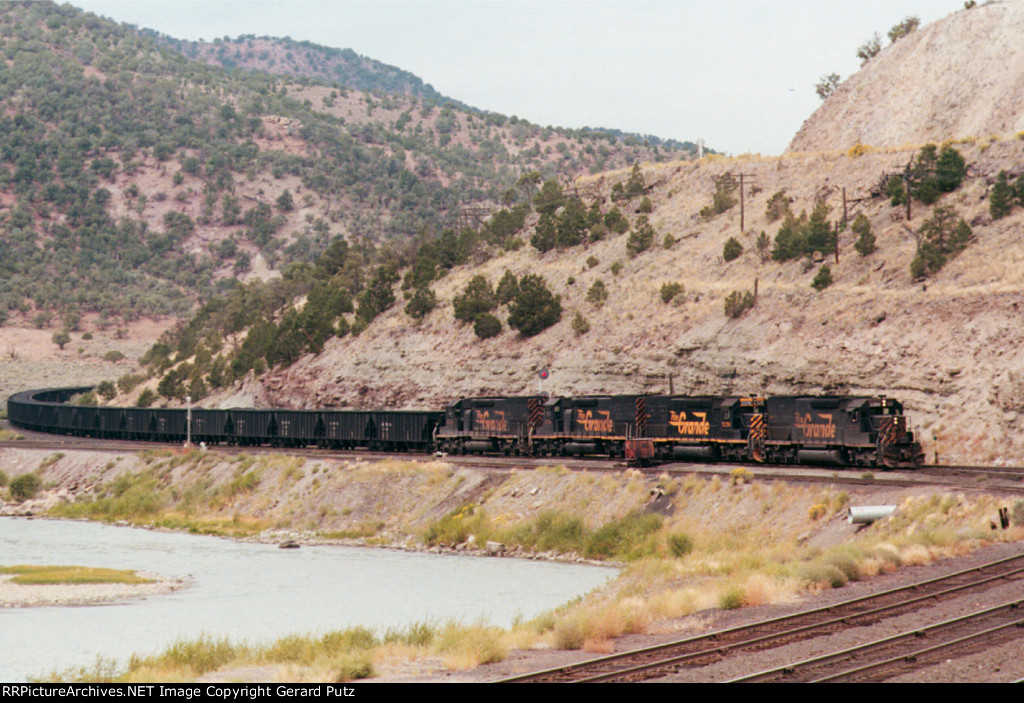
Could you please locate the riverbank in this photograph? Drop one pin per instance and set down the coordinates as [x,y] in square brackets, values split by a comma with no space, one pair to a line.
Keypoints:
[690,545]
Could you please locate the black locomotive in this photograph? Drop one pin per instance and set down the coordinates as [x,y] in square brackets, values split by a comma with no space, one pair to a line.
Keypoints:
[834,430]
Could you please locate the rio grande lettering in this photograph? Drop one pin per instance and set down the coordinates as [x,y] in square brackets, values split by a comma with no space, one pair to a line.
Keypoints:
[698,426]
[484,421]
[815,430]
[592,424]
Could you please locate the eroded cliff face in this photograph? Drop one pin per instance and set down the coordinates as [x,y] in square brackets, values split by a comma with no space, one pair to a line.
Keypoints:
[951,347]
[962,76]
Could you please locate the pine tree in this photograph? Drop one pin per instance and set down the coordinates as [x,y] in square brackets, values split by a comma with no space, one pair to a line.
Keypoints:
[865,237]
[823,279]
[476,299]
[534,308]
[508,286]
[1000,200]
[641,238]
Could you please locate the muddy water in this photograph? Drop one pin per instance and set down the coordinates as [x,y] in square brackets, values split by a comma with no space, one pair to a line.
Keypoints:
[255,592]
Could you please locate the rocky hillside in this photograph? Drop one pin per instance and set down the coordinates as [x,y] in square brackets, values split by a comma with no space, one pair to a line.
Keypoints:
[962,76]
[942,338]
[947,345]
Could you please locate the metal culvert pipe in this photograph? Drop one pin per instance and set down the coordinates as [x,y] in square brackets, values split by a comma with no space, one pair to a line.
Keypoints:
[866,514]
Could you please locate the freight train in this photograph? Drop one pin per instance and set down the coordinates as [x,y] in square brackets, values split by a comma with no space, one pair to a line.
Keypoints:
[834,430]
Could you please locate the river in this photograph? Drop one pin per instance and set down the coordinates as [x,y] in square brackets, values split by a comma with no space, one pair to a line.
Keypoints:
[256,592]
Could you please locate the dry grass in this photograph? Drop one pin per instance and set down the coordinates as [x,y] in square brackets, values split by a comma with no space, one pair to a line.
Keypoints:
[343,655]
[725,545]
[38,575]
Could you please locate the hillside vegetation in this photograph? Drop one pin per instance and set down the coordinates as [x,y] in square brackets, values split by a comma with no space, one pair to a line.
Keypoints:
[865,270]
[940,336]
[134,181]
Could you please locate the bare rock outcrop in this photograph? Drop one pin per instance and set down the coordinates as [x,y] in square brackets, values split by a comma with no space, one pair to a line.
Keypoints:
[959,77]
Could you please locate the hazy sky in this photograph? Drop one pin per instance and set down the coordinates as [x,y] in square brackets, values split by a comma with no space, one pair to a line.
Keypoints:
[739,73]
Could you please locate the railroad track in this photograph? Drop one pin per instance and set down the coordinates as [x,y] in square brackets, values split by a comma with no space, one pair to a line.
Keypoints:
[932,476]
[663,660]
[914,649]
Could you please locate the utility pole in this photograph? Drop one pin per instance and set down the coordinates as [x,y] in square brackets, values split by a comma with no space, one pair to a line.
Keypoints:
[743,182]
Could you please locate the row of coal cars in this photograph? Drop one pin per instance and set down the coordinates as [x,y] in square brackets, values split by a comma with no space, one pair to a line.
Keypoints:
[835,430]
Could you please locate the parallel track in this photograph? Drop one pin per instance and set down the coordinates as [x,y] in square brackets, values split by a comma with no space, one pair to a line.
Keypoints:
[663,660]
[908,651]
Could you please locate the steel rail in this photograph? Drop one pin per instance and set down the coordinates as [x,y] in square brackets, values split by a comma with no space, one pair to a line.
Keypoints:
[803,671]
[721,642]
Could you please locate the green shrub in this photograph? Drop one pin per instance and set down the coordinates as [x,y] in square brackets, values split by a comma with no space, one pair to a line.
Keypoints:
[823,279]
[623,538]
[803,235]
[846,563]
[895,191]
[902,29]
[731,598]
[641,238]
[579,324]
[669,291]
[146,398]
[534,308]
[616,221]
[508,286]
[455,527]
[551,530]
[778,206]
[486,326]
[679,544]
[351,666]
[723,199]
[423,301]
[941,238]
[1000,199]
[477,298]
[763,246]
[865,237]
[732,249]
[598,293]
[737,303]
[817,572]
[25,487]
